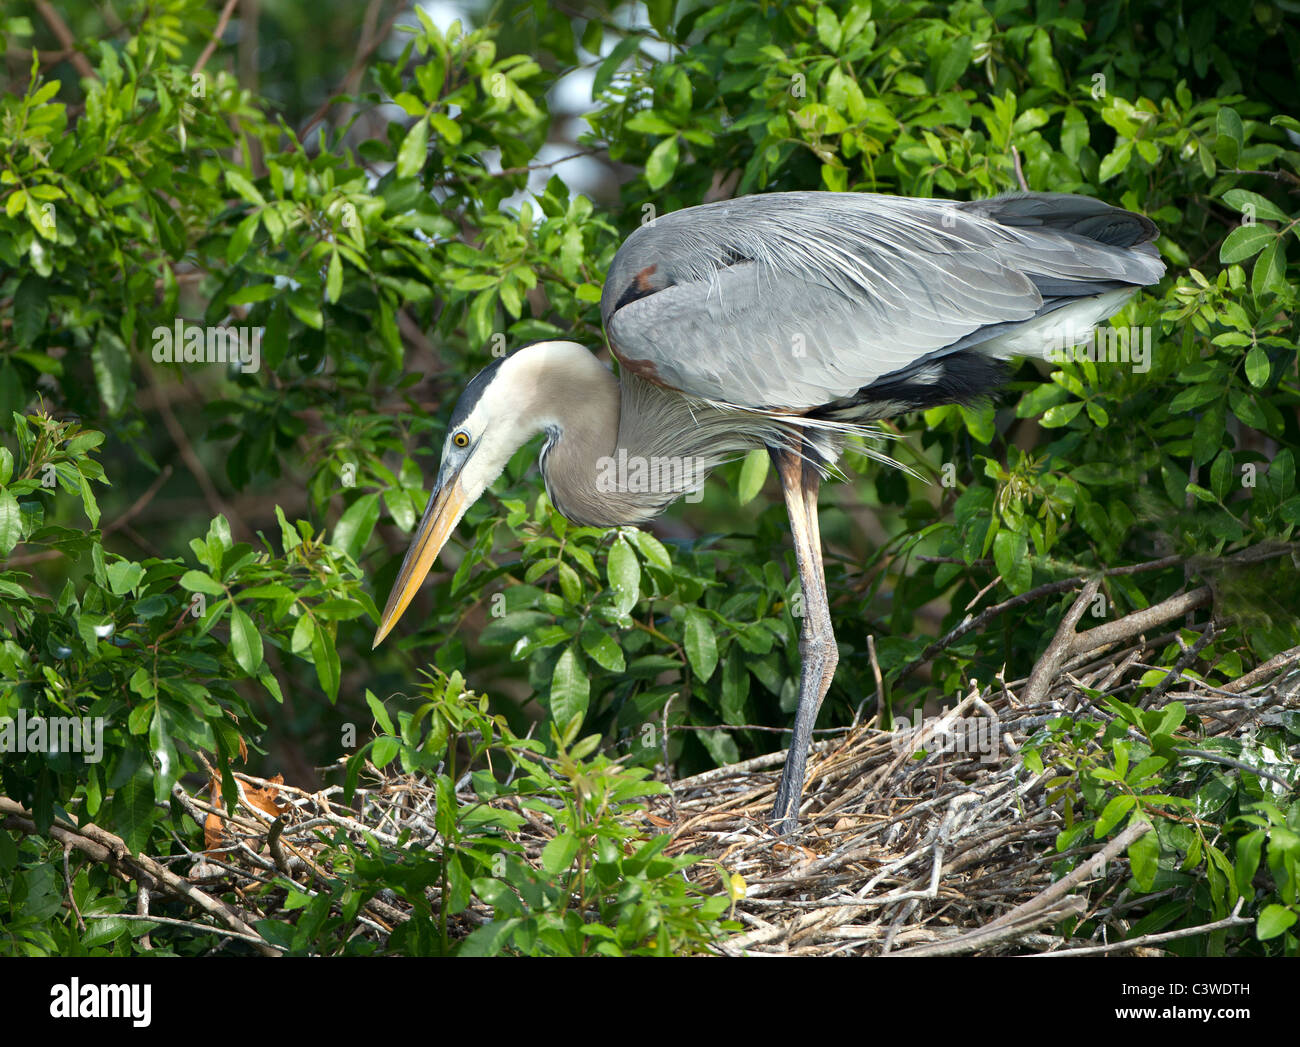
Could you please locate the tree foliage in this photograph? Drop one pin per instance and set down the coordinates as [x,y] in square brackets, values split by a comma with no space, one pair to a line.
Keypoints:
[193,551]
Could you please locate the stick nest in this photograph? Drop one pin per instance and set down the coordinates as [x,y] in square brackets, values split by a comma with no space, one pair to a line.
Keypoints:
[928,841]
[913,842]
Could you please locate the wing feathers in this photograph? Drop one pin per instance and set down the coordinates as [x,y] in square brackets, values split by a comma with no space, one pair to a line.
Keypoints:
[790,301]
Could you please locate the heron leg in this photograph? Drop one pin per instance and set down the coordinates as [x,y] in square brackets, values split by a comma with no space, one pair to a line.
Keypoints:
[818,653]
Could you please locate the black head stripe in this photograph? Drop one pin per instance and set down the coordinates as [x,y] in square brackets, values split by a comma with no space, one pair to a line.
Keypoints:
[473,393]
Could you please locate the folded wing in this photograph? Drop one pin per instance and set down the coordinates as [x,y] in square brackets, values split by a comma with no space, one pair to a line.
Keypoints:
[791,301]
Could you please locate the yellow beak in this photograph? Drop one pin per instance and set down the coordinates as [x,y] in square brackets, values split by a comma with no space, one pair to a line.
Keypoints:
[444,511]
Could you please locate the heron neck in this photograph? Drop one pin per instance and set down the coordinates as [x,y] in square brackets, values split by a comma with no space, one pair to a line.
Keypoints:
[575,401]
[621,453]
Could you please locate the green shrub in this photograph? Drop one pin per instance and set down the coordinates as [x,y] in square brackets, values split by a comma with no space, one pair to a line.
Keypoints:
[273,502]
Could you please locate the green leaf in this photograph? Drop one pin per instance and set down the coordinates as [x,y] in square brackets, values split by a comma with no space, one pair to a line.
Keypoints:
[244,188]
[100,932]
[701,645]
[241,239]
[245,641]
[30,308]
[1269,274]
[137,722]
[1116,160]
[753,474]
[828,28]
[252,294]
[954,57]
[1060,414]
[1043,68]
[1241,199]
[624,573]
[112,366]
[167,768]
[661,163]
[1074,133]
[648,122]
[448,128]
[1222,473]
[559,852]
[413,150]
[1244,242]
[612,62]
[1011,557]
[133,812]
[1257,366]
[1115,809]
[652,550]
[289,536]
[334,278]
[385,750]
[1248,852]
[11,522]
[1143,855]
[326,657]
[357,523]
[271,684]
[123,576]
[1229,136]
[198,582]
[602,649]
[88,503]
[1273,921]
[491,938]
[1245,407]
[570,688]
[380,713]
[304,634]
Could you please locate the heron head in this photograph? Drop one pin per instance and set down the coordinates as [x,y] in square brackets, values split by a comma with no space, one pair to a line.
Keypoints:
[501,409]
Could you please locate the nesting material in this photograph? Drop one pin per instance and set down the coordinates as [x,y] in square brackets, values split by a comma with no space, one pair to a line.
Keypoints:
[933,840]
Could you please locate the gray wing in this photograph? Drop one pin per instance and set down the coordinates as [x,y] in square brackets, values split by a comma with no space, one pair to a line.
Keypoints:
[794,300]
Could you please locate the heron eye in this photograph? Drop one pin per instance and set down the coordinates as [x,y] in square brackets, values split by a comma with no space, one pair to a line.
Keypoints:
[461,439]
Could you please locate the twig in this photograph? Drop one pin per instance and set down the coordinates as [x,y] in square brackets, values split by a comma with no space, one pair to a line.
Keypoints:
[1155,939]
[1261,672]
[1047,589]
[369,45]
[663,743]
[881,706]
[103,846]
[204,928]
[222,22]
[1176,673]
[1088,870]
[67,882]
[987,937]
[139,505]
[1059,649]
[64,35]
[1020,175]
[1142,621]
[1228,761]
[192,461]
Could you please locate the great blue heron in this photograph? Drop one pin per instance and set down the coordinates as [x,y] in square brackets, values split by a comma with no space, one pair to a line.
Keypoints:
[789,321]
